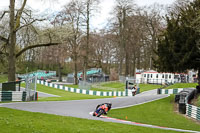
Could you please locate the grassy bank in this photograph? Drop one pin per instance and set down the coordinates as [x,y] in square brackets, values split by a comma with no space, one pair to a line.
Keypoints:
[159,113]
[196,101]
[118,86]
[147,87]
[64,95]
[182,85]
[15,121]
[109,86]
[3,78]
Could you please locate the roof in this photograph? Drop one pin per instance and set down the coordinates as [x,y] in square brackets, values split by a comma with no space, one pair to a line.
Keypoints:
[150,71]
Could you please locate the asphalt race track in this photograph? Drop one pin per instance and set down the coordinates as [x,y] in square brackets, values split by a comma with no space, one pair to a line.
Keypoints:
[81,108]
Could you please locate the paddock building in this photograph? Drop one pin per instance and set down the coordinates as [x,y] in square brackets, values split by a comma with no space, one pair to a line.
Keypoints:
[154,77]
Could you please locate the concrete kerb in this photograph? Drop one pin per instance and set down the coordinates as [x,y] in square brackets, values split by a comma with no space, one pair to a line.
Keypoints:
[148,125]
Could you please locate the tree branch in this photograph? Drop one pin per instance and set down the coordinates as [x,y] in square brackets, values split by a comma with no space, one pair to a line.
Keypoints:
[3,39]
[19,14]
[3,14]
[35,46]
[29,23]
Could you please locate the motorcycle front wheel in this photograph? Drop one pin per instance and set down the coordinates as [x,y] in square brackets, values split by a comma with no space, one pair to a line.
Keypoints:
[100,113]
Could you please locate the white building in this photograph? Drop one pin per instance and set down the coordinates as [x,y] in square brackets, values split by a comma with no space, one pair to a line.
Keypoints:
[192,76]
[154,77]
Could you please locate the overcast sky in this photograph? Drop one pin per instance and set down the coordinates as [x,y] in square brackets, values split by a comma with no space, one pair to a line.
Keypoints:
[100,18]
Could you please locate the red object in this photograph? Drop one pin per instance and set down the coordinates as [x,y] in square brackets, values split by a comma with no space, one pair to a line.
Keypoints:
[105,108]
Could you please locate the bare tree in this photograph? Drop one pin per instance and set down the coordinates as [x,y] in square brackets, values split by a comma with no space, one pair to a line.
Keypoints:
[136,31]
[123,9]
[90,6]
[102,50]
[15,24]
[152,20]
[72,15]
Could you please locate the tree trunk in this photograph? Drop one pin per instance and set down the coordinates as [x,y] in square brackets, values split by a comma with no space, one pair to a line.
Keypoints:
[11,45]
[134,64]
[60,72]
[133,69]
[138,60]
[127,64]
[87,42]
[84,73]
[120,65]
[150,62]
[124,43]
[198,78]
[75,70]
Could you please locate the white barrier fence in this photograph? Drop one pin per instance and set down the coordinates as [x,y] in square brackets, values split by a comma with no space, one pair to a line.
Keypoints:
[193,111]
[88,92]
[12,96]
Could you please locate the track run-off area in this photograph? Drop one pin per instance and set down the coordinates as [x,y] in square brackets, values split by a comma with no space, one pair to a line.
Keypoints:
[83,108]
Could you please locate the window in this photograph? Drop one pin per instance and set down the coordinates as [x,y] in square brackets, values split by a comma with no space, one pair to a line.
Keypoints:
[166,76]
[156,75]
[147,75]
[170,76]
[144,75]
[151,75]
[163,76]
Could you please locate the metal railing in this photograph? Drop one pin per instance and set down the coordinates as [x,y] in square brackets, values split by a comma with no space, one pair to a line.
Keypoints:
[31,83]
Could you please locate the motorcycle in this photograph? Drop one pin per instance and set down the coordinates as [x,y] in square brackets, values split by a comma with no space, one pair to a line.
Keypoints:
[102,109]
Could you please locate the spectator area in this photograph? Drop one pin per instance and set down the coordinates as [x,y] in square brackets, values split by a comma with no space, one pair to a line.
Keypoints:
[39,74]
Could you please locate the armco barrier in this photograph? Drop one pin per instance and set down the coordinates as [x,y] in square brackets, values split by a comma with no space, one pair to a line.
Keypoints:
[185,98]
[193,111]
[88,92]
[169,91]
[12,96]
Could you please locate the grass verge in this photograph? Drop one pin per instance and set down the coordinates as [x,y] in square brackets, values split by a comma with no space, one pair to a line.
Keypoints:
[109,86]
[15,121]
[121,87]
[3,78]
[72,86]
[147,87]
[182,85]
[198,101]
[118,86]
[160,113]
[64,95]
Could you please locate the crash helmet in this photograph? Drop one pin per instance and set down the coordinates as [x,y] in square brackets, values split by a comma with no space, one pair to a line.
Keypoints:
[109,104]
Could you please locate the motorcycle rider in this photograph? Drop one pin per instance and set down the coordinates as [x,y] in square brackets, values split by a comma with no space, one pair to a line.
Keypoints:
[134,90]
[104,106]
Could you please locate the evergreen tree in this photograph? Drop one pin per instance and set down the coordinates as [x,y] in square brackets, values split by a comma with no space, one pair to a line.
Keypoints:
[178,47]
